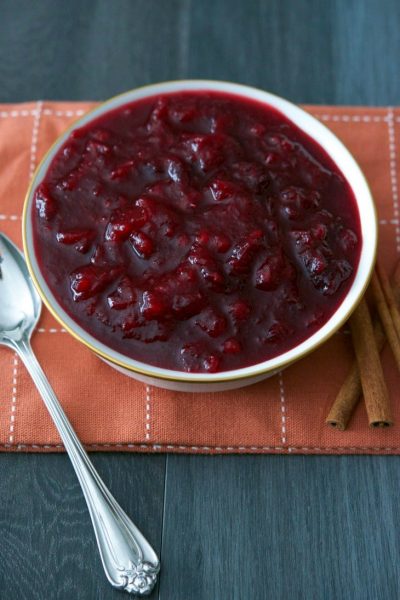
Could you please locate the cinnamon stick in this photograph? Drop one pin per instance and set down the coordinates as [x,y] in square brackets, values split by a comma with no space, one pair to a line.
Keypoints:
[391,301]
[351,390]
[385,314]
[347,399]
[375,392]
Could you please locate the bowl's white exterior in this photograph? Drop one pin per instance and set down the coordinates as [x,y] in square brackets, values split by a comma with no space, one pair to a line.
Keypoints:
[187,386]
[195,382]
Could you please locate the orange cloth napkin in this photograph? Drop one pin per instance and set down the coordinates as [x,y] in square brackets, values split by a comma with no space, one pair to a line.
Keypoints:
[284,414]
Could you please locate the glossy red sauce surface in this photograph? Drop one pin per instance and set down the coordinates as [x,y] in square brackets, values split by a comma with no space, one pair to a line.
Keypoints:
[196,231]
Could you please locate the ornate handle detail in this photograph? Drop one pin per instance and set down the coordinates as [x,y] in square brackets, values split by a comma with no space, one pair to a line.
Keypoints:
[129,561]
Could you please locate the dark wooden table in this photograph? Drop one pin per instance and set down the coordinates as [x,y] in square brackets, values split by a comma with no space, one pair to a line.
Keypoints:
[227,528]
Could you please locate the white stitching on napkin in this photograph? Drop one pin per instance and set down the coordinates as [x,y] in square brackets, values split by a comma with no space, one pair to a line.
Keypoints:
[13,398]
[148,414]
[6,114]
[63,113]
[35,135]
[161,447]
[393,173]
[51,330]
[389,221]
[352,118]
[32,164]
[10,217]
[283,408]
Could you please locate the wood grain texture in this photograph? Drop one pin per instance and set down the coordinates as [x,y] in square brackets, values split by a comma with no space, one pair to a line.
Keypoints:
[47,545]
[314,51]
[234,528]
[312,528]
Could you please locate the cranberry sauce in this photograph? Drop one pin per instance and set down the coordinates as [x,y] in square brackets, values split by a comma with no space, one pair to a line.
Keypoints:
[196,231]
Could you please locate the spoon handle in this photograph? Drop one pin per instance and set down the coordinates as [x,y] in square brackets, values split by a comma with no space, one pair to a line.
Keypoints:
[128,559]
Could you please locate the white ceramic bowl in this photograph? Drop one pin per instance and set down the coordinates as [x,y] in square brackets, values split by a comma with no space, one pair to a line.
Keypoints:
[182,381]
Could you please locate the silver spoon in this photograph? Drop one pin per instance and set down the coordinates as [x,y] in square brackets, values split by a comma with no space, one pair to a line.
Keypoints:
[128,559]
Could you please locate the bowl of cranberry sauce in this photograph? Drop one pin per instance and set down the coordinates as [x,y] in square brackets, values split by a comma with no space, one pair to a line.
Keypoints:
[199,234]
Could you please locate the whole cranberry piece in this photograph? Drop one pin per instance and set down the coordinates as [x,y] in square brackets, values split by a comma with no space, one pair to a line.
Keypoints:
[183,113]
[97,148]
[281,142]
[221,123]
[203,237]
[222,189]
[243,253]
[276,332]
[231,346]
[45,203]
[273,160]
[212,323]
[142,244]
[303,239]
[221,242]
[123,296]
[187,305]
[183,239]
[329,281]
[257,129]
[207,151]
[176,170]
[152,306]
[296,200]
[213,278]
[195,357]
[158,119]
[71,181]
[186,274]
[81,239]
[201,258]
[89,280]
[314,261]
[123,171]
[348,239]
[101,135]
[211,363]
[123,222]
[319,231]
[270,274]
[239,310]
[190,356]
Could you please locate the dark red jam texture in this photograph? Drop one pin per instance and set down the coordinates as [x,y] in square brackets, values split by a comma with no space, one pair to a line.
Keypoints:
[196,231]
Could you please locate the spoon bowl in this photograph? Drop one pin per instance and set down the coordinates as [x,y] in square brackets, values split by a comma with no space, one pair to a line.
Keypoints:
[20,304]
